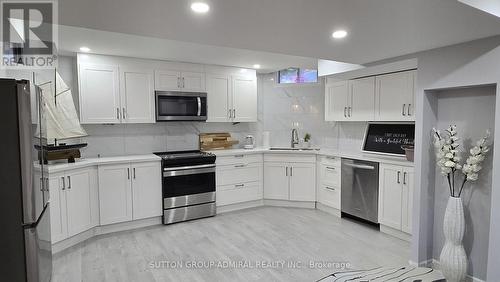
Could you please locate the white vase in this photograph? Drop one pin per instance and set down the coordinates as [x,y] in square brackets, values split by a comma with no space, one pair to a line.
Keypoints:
[453,259]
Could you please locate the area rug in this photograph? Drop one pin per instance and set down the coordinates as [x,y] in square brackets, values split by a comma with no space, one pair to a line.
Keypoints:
[386,274]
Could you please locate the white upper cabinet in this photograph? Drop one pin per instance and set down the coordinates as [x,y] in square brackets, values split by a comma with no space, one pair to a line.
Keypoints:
[388,97]
[336,97]
[244,99]
[175,80]
[218,92]
[137,95]
[193,81]
[167,80]
[362,99]
[231,97]
[395,96]
[99,93]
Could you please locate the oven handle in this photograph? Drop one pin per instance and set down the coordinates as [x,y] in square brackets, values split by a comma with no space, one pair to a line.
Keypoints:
[188,170]
[199,106]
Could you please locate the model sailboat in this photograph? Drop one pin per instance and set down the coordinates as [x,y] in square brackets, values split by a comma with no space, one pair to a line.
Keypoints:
[60,120]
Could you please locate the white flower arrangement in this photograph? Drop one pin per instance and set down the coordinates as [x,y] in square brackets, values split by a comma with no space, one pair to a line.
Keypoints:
[448,157]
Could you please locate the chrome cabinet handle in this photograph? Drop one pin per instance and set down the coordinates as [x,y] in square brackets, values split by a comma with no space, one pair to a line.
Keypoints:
[286,171]
[330,188]
[230,113]
[234,113]
[239,156]
[117,113]
[241,165]
[134,172]
[349,111]
[124,115]
[408,110]
[291,171]
[178,82]
[239,185]
[69,182]
[345,110]
[404,178]
[331,168]
[183,84]
[404,111]
[399,173]
[128,173]
[63,183]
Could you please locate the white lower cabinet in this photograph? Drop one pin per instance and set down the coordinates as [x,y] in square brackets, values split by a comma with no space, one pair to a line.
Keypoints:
[73,200]
[396,196]
[329,181]
[129,191]
[239,179]
[286,178]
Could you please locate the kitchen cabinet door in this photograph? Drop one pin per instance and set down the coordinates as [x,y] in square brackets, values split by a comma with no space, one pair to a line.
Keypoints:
[244,94]
[218,92]
[79,199]
[146,190]
[99,94]
[193,81]
[115,193]
[362,99]
[407,204]
[137,95]
[336,95]
[58,216]
[395,97]
[167,80]
[390,196]
[302,182]
[276,181]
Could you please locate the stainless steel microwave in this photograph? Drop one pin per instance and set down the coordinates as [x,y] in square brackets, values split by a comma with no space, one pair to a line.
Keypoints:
[181,106]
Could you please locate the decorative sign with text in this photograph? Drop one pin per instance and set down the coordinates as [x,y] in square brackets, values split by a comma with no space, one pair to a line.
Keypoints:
[388,138]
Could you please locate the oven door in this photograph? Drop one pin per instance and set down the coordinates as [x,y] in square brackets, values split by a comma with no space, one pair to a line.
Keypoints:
[188,185]
[181,106]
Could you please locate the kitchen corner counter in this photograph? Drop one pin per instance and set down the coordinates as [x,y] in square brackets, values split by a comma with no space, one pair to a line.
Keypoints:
[86,162]
[322,152]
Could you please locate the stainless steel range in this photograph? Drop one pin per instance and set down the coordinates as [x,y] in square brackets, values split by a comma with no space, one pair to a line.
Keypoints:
[188,185]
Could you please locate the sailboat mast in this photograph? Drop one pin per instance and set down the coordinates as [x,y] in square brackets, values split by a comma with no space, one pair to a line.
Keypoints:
[55,96]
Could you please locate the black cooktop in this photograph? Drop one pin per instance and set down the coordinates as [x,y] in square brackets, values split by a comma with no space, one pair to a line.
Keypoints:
[194,157]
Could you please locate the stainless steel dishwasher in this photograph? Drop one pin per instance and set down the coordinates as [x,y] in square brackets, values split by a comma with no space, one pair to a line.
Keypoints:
[360,189]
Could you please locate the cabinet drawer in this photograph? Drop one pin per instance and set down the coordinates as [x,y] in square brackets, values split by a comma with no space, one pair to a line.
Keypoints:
[330,160]
[238,193]
[330,175]
[239,159]
[330,195]
[239,173]
[292,158]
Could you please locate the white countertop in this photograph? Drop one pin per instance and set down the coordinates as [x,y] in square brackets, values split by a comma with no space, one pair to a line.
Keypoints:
[322,152]
[86,162]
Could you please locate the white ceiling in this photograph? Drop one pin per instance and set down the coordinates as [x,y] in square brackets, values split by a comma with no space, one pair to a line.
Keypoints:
[378,29]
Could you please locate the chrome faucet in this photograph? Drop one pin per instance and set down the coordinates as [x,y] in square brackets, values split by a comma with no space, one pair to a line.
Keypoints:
[295,138]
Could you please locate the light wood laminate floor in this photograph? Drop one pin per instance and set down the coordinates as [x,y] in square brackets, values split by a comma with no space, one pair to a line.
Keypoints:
[262,235]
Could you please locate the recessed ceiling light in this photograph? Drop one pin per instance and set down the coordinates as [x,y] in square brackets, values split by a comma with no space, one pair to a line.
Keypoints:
[338,34]
[85,49]
[200,7]
[256,66]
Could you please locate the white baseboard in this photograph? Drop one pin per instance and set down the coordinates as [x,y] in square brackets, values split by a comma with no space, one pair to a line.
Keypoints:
[396,233]
[239,206]
[290,204]
[328,209]
[468,278]
[101,230]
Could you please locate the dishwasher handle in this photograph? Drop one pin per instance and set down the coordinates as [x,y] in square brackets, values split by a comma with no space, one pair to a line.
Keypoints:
[368,167]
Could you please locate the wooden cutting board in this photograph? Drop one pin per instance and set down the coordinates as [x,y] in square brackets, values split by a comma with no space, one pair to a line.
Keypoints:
[216,141]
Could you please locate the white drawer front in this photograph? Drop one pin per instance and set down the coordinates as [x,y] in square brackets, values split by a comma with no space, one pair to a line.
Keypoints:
[289,158]
[239,173]
[330,160]
[330,196]
[238,193]
[239,159]
[330,175]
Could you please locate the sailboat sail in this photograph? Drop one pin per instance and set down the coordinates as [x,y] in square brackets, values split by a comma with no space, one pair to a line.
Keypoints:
[61,118]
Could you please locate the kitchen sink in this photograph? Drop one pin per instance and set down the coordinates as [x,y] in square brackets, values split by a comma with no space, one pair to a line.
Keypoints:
[292,149]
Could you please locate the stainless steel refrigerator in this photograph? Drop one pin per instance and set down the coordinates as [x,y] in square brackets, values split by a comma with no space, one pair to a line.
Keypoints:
[25,243]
